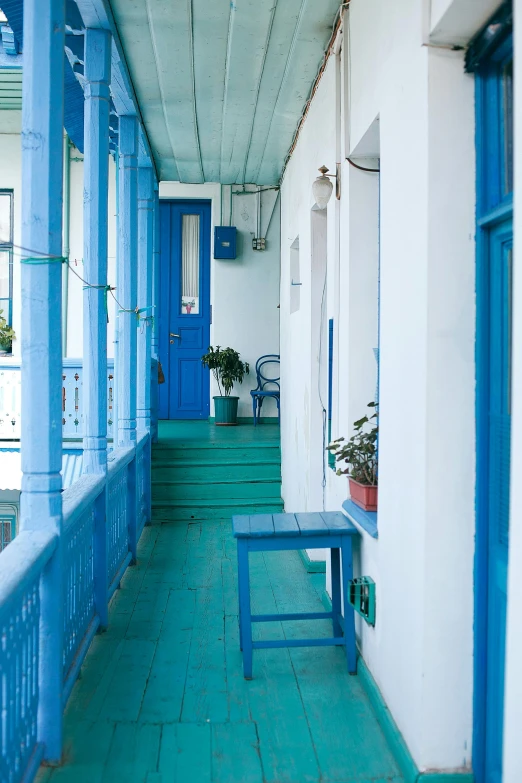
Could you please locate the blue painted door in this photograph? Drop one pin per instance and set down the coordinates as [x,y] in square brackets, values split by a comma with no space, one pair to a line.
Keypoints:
[494,286]
[184,316]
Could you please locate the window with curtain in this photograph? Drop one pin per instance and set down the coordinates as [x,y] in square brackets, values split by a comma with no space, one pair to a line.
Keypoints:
[190,264]
[6,254]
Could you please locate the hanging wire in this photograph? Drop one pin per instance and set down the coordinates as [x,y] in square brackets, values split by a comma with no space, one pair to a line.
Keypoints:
[38,258]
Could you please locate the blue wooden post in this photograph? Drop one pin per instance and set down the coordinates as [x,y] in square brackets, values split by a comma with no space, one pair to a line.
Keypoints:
[145,259]
[116,320]
[126,282]
[155,304]
[126,293]
[95,241]
[42,189]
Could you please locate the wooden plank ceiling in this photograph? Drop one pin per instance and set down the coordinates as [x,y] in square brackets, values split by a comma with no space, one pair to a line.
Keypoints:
[222,83]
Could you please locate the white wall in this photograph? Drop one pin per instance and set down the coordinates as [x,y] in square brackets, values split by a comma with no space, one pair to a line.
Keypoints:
[75,285]
[454,22]
[420,651]
[513,685]
[301,425]
[11,178]
[244,291]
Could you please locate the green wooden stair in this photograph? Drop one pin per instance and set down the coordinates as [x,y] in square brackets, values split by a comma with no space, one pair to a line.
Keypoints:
[200,471]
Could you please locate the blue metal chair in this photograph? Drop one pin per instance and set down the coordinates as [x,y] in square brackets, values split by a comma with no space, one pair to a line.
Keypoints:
[264,382]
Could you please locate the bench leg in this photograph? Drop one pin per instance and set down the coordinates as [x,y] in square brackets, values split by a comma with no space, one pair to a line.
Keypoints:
[335,558]
[349,619]
[245,622]
[239,592]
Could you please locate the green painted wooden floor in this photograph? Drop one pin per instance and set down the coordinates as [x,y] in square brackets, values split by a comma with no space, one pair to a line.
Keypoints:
[162,699]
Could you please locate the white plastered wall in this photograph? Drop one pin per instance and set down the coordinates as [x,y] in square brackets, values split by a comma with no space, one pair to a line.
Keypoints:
[420,651]
[75,285]
[11,178]
[245,290]
[513,686]
[301,424]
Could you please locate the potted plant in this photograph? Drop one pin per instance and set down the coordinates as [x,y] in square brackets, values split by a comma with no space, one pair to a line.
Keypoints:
[6,335]
[360,456]
[228,369]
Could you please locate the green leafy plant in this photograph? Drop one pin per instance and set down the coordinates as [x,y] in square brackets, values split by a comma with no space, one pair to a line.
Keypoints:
[7,334]
[360,452]
[227,367]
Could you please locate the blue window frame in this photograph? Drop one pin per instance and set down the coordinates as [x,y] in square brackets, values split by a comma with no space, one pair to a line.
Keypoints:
[6,255]
[331,456]
[7,529]
[490,57]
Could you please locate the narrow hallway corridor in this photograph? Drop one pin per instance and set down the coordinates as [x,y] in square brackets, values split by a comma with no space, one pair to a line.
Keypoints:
[162,699]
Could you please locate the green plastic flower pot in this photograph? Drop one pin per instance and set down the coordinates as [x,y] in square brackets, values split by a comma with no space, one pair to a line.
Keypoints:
[226,411]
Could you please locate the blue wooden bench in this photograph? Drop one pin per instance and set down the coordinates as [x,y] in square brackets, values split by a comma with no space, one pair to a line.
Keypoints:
[275,532]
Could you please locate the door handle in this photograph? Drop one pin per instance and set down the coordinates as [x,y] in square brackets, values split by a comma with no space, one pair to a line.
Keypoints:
[175,335]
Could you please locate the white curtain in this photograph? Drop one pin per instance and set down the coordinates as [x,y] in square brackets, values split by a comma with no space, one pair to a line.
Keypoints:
[190,257]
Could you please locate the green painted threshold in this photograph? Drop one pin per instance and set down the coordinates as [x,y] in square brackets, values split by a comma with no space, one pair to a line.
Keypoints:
[312,566]
[270,421]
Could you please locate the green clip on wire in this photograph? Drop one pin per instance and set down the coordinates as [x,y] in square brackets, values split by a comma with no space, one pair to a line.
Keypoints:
[36,260]
[106,290]
[136,310]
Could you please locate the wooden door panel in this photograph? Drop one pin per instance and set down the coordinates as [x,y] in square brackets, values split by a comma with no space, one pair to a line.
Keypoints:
[185,309]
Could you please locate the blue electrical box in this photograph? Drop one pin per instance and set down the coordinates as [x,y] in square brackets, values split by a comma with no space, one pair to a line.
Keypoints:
[225,241]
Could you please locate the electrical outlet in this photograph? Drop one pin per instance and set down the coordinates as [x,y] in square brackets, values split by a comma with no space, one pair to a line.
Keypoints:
[362,597]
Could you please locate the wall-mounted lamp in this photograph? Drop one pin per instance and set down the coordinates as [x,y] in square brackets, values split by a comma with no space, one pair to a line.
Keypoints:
[322,187]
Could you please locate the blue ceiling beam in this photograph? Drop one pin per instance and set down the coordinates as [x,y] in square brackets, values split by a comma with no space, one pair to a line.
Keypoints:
[73,113]
[98,14]
[79,15]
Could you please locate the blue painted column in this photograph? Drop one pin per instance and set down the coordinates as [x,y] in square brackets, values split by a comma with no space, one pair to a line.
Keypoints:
[95,249]
[145,260]
[41,280]
[126,283]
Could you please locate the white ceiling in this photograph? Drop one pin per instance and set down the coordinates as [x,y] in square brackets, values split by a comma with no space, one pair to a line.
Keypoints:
[222,83]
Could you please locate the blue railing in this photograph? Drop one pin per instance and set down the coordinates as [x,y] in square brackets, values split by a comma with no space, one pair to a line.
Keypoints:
[120,515]
[103,517]
[22,564]
[72,398]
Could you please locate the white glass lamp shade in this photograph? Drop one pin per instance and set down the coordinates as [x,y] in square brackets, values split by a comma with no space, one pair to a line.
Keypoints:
[322,188]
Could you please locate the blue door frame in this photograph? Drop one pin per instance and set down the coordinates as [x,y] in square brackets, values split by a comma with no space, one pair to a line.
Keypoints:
[494,142]
[184,332]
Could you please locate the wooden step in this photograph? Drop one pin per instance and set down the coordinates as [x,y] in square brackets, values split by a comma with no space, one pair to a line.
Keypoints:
[209,490]
[229,470]
[223,509]
[201,452]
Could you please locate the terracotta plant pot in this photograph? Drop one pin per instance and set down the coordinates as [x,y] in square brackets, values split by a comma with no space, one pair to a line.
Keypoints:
[363,495]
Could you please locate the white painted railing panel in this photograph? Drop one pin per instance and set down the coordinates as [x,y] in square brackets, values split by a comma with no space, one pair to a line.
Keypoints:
[72,399]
